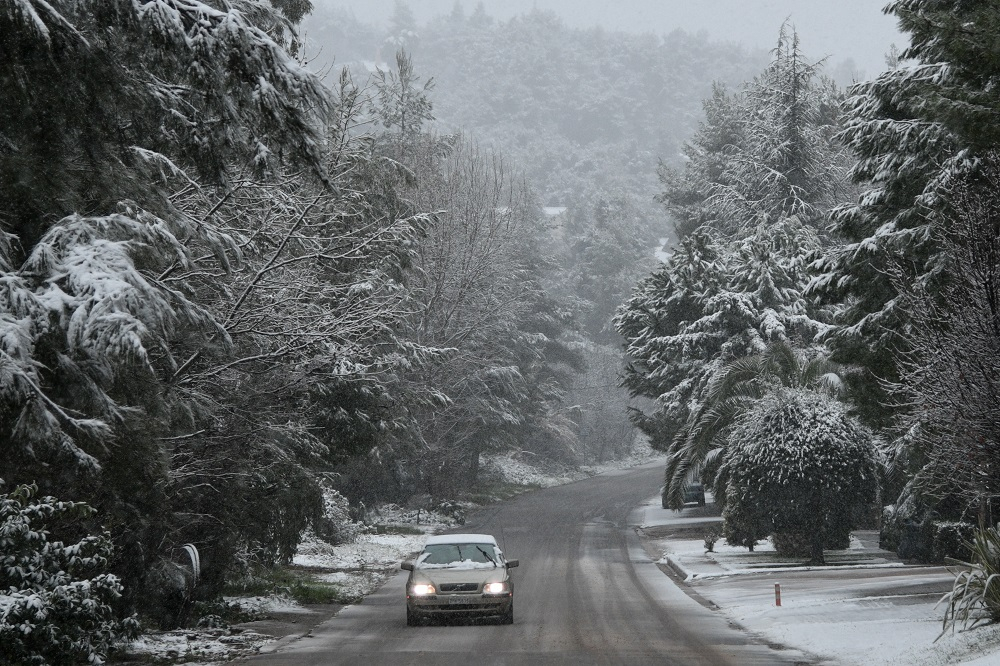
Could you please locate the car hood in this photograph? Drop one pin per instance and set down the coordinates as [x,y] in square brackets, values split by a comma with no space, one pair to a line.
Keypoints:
[459,575]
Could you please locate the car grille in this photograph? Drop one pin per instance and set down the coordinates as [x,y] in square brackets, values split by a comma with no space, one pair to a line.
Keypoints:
[459,587]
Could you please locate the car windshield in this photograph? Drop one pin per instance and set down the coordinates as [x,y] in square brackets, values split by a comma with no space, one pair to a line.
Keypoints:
[468,555]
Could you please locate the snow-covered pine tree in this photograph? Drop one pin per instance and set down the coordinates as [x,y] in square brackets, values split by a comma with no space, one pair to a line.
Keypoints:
[107,106]
[763,200]
[925,122]
[785,163]
[105,101]
[686,190]
[665,362]
[764,153]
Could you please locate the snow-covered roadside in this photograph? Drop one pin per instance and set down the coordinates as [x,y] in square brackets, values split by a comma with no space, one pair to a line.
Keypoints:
[844,620]
[358,568]
[858,630]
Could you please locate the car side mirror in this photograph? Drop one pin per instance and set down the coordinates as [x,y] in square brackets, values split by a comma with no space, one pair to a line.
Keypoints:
[406,566]
[512,563]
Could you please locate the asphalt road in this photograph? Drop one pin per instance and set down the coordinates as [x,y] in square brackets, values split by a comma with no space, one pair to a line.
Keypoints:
[585,593]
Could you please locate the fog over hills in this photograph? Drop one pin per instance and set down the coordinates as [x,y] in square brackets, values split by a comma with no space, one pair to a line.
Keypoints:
[847,30]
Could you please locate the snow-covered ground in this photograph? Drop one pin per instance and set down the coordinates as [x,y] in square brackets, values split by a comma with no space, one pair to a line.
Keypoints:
[867,610]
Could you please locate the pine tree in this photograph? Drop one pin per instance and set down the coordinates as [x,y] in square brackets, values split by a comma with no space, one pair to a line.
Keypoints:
[915,128]
[105,101]
[762,201]
[113,114]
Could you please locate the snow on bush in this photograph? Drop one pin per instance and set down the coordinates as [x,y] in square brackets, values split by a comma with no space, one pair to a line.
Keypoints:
[800,469]
[509,468]
[336,526]
[55,601]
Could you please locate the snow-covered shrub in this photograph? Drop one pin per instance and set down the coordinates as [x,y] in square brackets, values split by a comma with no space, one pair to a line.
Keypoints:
[56,602]
[908,529]
[740,527]
[975,596]
[891,530]
[952,540]
[710,538]
[336,526]
[801,466]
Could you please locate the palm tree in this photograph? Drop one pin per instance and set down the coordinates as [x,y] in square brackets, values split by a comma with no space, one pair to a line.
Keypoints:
[698,449]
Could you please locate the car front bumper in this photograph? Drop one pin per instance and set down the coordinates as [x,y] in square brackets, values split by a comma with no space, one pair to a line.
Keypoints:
[460,604]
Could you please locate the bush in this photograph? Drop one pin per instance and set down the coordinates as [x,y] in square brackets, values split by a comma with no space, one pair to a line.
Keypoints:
[800,468]
[953,541]
[741,527]
[891,530]
[916,540]
[336,526]
[710,538]
[56,601]
[975,596]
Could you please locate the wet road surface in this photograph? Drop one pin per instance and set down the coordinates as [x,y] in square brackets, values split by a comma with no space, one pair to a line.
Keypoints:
[585,593]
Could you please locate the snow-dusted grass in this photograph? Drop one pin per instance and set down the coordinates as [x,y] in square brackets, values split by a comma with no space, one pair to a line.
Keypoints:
[360,567]
[196,646]
[516,468]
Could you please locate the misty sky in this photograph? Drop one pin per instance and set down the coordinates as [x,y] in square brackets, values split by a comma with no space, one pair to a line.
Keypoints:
[840,29]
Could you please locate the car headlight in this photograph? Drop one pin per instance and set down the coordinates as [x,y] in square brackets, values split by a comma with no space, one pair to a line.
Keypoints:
[422,590]
[495,588]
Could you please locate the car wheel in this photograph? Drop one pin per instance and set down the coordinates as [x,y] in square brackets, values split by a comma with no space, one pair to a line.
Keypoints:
[412,619]
[508,617]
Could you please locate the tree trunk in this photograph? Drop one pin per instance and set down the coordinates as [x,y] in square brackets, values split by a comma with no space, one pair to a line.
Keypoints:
[816,549]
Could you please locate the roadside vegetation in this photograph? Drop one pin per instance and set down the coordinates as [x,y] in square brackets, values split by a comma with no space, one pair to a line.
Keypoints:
[837,248]
[242,305]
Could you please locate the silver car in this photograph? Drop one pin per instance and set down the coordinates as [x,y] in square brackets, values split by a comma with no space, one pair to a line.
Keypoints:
[459,575]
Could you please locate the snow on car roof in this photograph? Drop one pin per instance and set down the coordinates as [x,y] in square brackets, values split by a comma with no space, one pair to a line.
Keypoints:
[461,538]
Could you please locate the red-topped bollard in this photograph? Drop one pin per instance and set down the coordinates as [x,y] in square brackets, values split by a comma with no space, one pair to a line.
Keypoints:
[777,594]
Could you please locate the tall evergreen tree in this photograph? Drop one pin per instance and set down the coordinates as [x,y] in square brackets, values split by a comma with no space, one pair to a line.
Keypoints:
[915,128]
[113,114]
[761,200]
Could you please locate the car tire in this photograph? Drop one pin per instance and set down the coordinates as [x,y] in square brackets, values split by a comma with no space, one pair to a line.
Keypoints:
[412,619]
[508,617]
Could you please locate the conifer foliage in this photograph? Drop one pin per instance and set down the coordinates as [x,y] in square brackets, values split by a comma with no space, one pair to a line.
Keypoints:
[763,173]
[926,122]
[104,101]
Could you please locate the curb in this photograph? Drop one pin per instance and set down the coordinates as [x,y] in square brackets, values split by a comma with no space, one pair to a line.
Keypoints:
[671,561]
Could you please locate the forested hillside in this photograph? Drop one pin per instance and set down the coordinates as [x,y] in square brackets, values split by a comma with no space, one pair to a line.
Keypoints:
[582,112]
[585,116]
